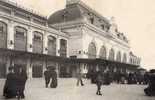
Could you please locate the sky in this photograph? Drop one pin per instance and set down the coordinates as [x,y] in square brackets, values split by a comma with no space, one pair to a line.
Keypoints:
[135,18]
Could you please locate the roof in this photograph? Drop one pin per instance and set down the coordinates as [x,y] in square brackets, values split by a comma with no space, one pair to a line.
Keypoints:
[73,12]
[65,15]
[22,8]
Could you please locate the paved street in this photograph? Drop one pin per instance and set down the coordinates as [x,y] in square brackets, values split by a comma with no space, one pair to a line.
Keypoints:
[67,90]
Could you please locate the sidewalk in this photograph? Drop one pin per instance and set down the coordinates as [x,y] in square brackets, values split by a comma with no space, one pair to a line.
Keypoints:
[67,90]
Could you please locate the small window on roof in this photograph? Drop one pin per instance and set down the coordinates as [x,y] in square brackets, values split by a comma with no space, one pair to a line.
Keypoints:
[92,20]
[102,26]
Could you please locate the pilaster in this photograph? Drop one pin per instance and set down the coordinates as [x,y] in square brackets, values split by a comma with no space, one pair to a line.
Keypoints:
[58,46]
[10,36]
[45,43]
[30,40]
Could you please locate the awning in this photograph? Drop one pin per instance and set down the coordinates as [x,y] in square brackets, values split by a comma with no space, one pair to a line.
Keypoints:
[15,54]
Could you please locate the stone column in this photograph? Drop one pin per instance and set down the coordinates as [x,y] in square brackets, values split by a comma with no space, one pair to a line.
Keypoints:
[44,66]
[45,43]
[30,40]
[10,36]
[57,46]
[57,69]
[29,68]
[8,63]
[67,49]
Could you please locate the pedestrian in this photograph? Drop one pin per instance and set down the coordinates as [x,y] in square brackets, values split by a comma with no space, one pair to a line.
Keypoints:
[9,90]
[99,82]
[54,82]
[47,75]
[106,78]
[79,78]
[22,81]
[150,90]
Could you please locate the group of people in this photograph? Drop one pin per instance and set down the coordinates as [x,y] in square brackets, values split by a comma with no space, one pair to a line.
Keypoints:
[50,77]
[17,76]
[15,82]
[150,90]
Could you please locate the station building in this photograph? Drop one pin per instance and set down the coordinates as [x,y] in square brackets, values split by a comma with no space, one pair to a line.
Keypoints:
[69,39]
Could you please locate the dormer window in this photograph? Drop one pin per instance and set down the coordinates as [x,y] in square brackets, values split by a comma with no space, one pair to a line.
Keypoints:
[102,26]
[116,30]
[92,20]
[64,16]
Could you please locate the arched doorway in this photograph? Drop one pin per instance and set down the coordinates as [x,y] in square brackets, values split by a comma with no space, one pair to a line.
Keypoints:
[118,57]
[3,44]
[124,58]
[112,55]
[51,45]
[103,52]
[63,48]
[3,35]
[92,51]
[37,42]
[20,38]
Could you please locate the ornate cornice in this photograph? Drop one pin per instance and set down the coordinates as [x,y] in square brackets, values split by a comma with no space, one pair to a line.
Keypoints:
[74,24]
[31,24]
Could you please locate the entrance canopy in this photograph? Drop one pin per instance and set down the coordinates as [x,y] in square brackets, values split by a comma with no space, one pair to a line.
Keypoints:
[29,55]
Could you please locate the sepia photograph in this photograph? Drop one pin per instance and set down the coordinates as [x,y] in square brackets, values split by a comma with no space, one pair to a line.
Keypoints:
[77,50]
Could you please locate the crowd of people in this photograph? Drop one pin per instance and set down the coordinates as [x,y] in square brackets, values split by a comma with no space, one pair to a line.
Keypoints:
[17,76]
[106,78]
[150,90]
[120,78]
[15,83]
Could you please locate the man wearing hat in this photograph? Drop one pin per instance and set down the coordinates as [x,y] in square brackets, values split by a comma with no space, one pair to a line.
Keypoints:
[47,75]
[9,90]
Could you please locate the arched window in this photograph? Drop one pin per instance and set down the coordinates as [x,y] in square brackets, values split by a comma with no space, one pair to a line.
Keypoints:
[37,42]
[103,52]
[63,48]
[20,38]
[51,45]
[112,55]
[131,61]
[3,35]
[118,57]
[124,58]
[92,51]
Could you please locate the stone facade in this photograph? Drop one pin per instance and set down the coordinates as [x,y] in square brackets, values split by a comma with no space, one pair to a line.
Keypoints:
[76,31]
[91,34]
[23,30]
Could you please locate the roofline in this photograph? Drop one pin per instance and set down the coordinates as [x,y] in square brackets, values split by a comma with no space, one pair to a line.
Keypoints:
[92,27]
[28,10]
[92,10]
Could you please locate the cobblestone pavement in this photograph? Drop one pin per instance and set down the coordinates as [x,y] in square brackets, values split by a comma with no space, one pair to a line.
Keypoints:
[67,90]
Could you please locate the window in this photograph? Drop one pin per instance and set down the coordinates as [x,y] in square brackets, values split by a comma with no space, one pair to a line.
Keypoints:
[3,27]
[3,35]
[20,38]
[37,36]
[20,32]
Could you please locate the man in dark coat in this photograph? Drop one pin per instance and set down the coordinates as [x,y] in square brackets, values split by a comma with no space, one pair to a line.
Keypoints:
[9,90]
[150,90]
[54,82]
[47,75]
[99,82]
[21,82]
